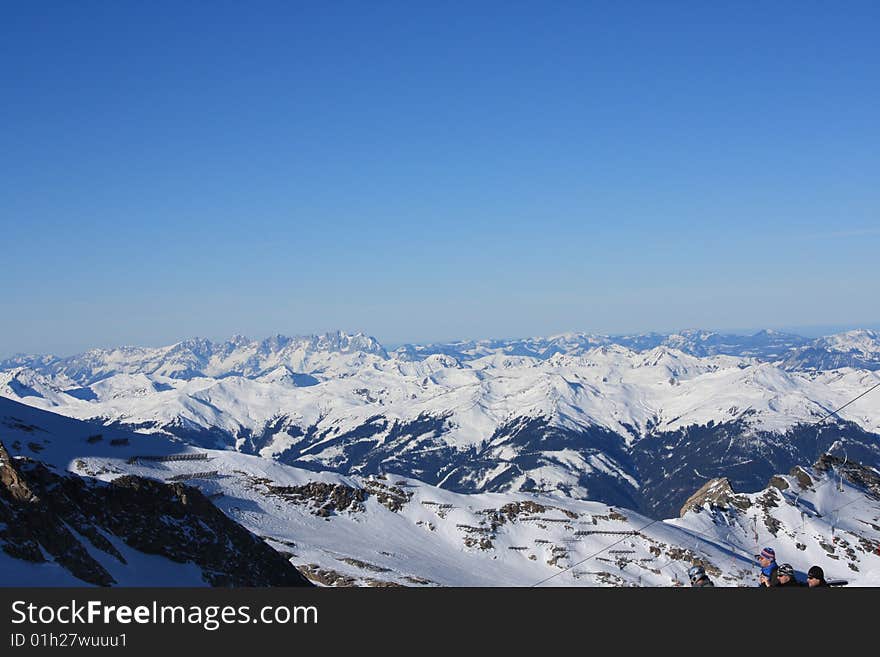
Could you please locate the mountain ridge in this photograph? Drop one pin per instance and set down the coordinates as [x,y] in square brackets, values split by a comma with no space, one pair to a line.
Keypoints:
[609,423]
[384,530]
[243,356]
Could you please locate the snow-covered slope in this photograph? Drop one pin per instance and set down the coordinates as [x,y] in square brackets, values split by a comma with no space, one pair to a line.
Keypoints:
[63,529]
[390,529]
[596,422]
[626,392]
[824,515]
[858,349]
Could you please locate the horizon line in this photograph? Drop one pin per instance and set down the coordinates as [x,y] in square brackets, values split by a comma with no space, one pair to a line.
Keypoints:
[391,344]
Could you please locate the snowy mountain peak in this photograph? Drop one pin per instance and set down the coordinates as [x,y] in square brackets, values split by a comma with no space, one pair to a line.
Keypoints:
[613,350]
[858,348]
[273,344]
[25,383]
[346,343]
[864,342]
[442,360]
[195,345]
[694,334]
[358,529]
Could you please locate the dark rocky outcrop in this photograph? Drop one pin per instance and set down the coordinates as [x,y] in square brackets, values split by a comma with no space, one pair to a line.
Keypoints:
[672,465]
[42,512]
[330,577]
[329,499]
[853,472]
[668,466]
[28,527]
[716,493]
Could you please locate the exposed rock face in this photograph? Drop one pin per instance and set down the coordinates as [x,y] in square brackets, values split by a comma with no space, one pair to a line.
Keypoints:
[330,499]
[803,478]
[9,479]
[38,510]
[716,492]
[327,499]
[27,524]
[719,493]
[855,473]
[330,577]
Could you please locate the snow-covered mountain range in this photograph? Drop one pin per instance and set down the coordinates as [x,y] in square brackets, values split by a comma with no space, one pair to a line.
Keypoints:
[638,421]
[765,345]
[58,528]
[386,530]
[198,357]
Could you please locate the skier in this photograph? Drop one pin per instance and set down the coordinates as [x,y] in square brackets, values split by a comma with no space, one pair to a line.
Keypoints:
[698,577]
[816,577]
[767,559]
[785,575]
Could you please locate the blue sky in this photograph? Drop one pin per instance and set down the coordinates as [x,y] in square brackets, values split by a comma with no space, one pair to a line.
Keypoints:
[436,172]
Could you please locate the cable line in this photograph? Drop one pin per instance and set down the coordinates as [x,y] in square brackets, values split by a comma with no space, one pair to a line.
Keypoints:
[835,412]
[654,522]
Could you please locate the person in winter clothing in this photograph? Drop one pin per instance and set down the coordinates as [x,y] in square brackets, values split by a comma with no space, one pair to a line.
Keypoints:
[816,577]
[698,577]
[767,559]
[785,576]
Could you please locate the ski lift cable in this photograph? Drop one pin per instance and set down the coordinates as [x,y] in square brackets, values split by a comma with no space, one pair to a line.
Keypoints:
[595,554]
[845,454]
[654,522]
[830,480]
[727,542]
[730,544]
[836,411]
[853,501]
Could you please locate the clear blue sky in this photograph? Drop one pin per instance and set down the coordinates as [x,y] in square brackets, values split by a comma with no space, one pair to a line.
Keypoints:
[421,173]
